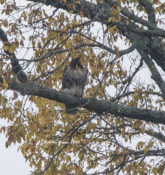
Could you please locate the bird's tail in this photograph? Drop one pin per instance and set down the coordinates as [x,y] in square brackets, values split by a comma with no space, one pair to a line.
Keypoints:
[70,109]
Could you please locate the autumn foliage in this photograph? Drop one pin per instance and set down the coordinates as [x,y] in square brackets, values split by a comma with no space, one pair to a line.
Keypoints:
[119,127]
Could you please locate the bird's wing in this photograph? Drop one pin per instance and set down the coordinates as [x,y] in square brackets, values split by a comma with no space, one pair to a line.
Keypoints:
[66,78]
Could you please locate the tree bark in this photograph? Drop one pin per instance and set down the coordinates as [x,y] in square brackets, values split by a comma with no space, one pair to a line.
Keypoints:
[98,106]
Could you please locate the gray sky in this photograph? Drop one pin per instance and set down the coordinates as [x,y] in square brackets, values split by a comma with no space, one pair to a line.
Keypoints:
[11,160]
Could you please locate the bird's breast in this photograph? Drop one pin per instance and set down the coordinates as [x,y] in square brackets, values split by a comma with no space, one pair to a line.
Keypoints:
[74,90]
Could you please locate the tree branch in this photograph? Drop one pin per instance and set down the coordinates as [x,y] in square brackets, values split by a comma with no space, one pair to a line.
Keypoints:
[131,30]
[149,9]
[157,135]
[16,67]
[155,73]
[97,106]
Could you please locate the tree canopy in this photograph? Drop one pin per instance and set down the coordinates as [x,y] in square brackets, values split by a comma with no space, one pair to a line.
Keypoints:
[120,124]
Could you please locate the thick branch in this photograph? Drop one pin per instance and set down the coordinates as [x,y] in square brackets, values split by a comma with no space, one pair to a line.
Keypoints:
[155,73]
[149,9]
[131,30]
[97,106]
[16,67]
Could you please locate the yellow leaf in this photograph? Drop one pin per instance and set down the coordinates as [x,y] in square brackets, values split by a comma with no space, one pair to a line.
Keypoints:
[39,44]
[84,141]
[5,47]
[4,85]
[110,19]
[5,23]
[12,48]
[21,43]
[68,159]
[24,15]
[88,160]
[81,155]
[18,104]
[76,139]
[81,14]
[100,1]
[115,11]
[2,1]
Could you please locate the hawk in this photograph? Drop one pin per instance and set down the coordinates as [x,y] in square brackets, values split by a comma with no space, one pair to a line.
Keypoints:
[73,81]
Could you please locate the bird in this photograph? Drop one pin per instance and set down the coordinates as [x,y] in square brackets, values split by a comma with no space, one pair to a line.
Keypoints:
[73,81]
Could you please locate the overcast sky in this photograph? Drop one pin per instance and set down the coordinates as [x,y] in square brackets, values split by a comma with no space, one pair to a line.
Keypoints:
[12,161]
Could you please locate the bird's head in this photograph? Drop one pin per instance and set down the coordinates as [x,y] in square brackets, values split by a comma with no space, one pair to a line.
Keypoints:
[75,63]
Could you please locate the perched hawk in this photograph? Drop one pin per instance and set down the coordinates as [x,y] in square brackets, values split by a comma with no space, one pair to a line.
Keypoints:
[73,81]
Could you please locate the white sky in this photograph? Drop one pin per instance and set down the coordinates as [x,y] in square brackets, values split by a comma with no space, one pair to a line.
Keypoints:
[11,160]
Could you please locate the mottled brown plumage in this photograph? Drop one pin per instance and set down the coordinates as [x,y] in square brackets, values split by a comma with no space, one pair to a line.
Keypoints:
[73,81]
